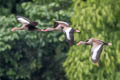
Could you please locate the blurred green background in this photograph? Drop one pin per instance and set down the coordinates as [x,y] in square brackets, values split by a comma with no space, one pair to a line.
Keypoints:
[26,55]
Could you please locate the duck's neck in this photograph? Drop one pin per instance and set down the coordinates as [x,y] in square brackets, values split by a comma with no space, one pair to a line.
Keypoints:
[82,42]
[15,29]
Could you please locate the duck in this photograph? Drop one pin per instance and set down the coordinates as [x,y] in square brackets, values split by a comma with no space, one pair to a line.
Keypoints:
[97,46]
[26,24]
[58,26]
[66,28]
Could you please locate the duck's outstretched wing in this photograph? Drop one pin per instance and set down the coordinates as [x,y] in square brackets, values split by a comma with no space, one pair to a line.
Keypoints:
[23,20]
[60,24]
[69,34]
[56,24]
[95,53]
[71,41]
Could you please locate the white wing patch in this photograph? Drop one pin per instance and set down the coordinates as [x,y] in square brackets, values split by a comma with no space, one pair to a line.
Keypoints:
[23,21]
[67,31]
[94,55]
[62,22]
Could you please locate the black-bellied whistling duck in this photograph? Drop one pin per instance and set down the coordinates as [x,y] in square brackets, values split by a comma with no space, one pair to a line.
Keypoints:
[64,27]
[96,50]
[27,24]
[58,26]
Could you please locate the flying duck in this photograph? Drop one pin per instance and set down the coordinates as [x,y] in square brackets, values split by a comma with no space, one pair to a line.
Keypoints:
[96,50]
[26,24]
[64,27]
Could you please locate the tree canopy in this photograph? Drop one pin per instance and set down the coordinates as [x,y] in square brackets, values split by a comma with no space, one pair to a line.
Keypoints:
[27,55]
[96,19]
[32,55]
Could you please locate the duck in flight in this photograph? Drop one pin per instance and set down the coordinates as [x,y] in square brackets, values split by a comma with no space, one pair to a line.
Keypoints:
[26,24]
[64,27]
[97,46]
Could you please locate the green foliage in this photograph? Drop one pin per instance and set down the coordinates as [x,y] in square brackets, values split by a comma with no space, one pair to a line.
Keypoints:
[101,20]
[27,55]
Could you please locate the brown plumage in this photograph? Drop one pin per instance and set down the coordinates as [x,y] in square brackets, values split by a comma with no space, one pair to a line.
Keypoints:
[64,27]
[97,46]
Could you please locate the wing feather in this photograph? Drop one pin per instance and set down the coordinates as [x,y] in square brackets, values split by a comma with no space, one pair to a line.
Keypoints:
[23,20]
[96,53]
[55,24]
[70,36]
[61,23]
